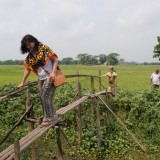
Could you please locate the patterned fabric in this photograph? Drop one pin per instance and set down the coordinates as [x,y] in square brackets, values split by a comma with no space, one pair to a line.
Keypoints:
[47,90]
[33,63]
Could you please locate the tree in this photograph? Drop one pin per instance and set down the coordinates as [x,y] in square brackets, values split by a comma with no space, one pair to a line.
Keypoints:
[67,60]
[86,59]
[112,58]
[157,49]
[94,60]
[121,61]
[102,58]
[82,58]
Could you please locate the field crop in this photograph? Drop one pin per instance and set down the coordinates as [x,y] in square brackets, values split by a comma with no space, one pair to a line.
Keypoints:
[129,77]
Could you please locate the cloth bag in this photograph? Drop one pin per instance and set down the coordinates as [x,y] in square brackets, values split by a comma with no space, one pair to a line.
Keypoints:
[60,78]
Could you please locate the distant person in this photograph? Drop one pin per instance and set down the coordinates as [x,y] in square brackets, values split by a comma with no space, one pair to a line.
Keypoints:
[40,59]
[112,79]
[155,79]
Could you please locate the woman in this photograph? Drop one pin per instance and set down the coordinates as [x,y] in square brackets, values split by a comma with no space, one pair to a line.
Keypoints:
[40,59]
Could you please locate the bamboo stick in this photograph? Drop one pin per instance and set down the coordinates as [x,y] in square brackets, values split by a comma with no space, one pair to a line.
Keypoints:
[18,122]
[30,124]
[66,139]
[60,152]
[16,150]
[79,122]
[98,123]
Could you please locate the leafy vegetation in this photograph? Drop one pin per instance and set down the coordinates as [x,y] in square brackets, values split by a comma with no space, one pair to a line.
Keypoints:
[139,110]
[157,49]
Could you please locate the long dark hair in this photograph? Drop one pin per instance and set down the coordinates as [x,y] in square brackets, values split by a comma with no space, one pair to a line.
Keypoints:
[27,39]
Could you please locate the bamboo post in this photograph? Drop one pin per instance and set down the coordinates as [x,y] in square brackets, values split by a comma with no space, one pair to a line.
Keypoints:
[79,113]
[66,139]
[30,124]
[107,112]
[100,81]
[60,152]
[92,84]
[92,91]
[98,123]
[16,150]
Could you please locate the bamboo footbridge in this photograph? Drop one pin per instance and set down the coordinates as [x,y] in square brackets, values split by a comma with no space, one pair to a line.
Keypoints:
[14,150]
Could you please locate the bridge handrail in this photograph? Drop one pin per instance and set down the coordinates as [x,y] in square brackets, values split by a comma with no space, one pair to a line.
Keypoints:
[16,90]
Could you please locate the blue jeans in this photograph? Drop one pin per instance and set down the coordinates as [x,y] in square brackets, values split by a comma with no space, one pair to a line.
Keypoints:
[47,90]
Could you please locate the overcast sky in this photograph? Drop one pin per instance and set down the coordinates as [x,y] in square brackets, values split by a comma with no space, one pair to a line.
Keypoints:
[71,27]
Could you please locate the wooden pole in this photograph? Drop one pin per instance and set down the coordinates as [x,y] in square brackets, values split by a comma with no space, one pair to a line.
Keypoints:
[107,112]
[30,124]
[17,123]
[92,84]
[92,91]
[66,139]
[98,123]
[79,113]
[60,152]
[100,81]
[16,150]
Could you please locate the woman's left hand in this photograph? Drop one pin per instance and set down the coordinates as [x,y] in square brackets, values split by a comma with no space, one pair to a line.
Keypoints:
[52,75]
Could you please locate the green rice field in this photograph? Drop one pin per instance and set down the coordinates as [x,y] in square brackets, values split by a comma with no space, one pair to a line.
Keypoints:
[129,77]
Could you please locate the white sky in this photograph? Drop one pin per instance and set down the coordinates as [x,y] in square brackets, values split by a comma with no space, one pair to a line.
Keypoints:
[71,27]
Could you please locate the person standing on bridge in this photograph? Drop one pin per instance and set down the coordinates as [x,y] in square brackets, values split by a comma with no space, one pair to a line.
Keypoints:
[112,79]
[39,59]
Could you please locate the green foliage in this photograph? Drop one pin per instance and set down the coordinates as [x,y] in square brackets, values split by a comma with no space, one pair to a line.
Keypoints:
[139,110]
[112,59]
[143,113]
[87,59]
[11,62]
[157,49]
[68,61]
[11,109]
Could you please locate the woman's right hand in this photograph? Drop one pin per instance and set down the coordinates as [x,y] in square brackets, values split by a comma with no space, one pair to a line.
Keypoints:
[25,76]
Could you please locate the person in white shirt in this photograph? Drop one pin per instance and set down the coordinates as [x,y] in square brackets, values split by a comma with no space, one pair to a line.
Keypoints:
[155,79]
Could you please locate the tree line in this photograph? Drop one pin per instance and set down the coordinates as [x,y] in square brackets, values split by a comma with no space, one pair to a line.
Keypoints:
[102,59]
[84,59]
[87,59]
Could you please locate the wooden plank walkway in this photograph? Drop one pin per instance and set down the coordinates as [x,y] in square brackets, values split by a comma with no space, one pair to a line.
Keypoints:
[8,153]
[69,107]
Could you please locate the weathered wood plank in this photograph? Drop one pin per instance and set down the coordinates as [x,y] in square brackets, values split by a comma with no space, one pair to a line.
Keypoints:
[63,110]
[26,141]
[67,108]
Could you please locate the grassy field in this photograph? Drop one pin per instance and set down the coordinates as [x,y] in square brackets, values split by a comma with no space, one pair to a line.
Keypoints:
[129,77]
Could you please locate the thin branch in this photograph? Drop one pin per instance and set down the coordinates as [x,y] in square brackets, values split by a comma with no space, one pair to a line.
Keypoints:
[17,123]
